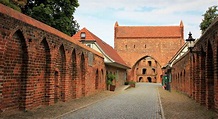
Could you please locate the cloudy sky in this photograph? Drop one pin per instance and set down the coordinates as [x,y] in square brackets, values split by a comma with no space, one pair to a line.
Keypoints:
[99,16]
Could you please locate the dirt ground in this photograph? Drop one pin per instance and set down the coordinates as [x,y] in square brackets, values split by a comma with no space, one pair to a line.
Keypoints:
[175,106]
[178,106]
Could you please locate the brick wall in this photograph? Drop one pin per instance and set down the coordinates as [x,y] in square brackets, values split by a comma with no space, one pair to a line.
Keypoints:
[196,73]
[40,66]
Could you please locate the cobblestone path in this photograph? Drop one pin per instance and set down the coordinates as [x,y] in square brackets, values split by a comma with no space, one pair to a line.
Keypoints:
[141,102]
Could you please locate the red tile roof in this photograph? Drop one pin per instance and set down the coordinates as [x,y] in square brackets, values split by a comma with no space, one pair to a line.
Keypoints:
[148,31]
[107,49]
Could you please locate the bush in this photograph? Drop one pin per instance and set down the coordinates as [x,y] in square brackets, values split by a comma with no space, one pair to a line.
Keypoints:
[110,78]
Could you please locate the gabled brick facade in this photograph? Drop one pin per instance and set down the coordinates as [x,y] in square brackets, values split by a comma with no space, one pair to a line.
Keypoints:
[137,43]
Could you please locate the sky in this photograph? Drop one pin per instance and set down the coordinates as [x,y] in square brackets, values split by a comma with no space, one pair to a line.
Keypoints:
[99,16]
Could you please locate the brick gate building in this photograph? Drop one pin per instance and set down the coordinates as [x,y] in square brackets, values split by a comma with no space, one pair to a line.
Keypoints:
[146,49]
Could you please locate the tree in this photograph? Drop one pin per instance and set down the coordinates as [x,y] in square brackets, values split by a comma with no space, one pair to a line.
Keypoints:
[15,4]
[209,17]
[55,13]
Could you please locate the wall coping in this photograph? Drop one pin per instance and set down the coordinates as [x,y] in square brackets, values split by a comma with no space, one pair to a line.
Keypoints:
[33,22]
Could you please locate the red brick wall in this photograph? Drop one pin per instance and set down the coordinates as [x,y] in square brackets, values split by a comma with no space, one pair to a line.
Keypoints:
[201,70]
[181,75]
[40,66]
[133,50]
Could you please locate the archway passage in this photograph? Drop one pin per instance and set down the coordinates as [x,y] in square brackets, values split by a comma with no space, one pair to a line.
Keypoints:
[146,67]
[149,79]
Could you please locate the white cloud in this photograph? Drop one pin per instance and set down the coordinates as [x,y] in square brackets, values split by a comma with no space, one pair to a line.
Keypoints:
[99,16]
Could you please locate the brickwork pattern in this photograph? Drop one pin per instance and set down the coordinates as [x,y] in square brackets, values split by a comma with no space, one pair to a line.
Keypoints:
[201,70]
[39,68]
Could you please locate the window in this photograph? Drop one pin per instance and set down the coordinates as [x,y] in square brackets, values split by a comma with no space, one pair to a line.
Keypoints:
[144,71]
[149,63]
[82,35]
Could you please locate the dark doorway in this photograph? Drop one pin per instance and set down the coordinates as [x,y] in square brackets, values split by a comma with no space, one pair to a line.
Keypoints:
[140,79]
[149,79]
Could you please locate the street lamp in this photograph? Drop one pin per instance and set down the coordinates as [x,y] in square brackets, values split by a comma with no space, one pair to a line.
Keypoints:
[190,42]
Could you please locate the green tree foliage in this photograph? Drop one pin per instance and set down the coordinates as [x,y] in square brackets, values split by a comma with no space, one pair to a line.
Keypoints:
[55,13]
[15,4]
[209,16]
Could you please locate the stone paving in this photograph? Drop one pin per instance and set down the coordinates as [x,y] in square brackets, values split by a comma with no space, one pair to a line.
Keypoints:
[141,102]
[175,105]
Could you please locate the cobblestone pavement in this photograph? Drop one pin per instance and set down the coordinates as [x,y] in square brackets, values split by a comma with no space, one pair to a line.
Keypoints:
[141,102]
[175,105]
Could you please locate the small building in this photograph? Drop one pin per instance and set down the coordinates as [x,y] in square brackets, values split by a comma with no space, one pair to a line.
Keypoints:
[113,62]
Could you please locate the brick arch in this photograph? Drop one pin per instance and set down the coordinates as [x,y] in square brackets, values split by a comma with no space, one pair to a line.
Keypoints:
[15,72]
[134,73]
[82,70]
[184,81]
[137,60]
[59,74]
[41,69]
[210,77]
[193,65]
[202,78]
[197,78]
[16,29]
[74,73]
[102,77]
[180,80]
[96,79]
